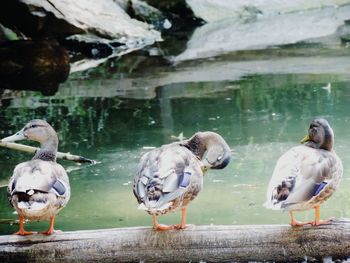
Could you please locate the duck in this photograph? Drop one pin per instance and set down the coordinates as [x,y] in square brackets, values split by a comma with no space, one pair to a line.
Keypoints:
[38,189]
[168,178]
[306,175]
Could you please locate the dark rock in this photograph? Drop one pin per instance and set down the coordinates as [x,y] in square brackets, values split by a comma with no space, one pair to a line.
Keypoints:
[177,12]
[345,39]
[142,11]
[94,29]
[33,65]
[89,46]
[34,22]
[7,34]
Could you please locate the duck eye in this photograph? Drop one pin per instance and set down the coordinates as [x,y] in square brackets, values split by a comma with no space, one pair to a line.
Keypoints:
[33,126]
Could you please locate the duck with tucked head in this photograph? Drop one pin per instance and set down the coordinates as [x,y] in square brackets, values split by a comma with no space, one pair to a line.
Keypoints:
[170,177]
[306,175]
[38,189]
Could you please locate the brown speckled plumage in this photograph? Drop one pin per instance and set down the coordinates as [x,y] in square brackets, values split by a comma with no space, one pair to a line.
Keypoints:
[170,177]
[306,175]
[38,189]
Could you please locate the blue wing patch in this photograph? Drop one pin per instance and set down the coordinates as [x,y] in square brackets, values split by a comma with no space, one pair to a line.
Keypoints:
[13,186]
[318,188]
[185,179]
[59,187]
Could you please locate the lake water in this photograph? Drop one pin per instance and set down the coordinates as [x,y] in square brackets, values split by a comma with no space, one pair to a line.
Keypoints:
[261,102]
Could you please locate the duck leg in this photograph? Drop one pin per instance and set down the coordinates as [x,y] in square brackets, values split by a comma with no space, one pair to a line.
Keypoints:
[21,230]
[51,229]
[182,225]
[317,221]
[158,226]
[294,222]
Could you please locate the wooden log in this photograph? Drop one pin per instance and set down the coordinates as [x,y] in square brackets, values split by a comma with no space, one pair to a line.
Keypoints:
[279,243]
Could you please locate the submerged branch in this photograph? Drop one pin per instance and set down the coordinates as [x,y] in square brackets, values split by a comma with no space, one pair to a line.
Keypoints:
[60,155]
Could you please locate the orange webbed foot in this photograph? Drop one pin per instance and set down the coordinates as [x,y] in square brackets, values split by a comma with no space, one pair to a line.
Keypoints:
[296,223]
[317,221]
[161,227]
[180,226]
[323,222]
[50,232]
[21,230]
[51,229]
[23,233]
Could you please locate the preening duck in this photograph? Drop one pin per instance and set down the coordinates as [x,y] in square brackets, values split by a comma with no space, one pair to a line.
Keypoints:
[306,175]
[170,177]
[38,189]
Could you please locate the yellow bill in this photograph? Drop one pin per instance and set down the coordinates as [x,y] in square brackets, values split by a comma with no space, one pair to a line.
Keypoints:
[305,139]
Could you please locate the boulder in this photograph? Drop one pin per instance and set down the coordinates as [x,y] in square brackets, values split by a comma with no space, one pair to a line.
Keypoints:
[215,10]
[177,12]
[237,34]
[33,65]
[104,19]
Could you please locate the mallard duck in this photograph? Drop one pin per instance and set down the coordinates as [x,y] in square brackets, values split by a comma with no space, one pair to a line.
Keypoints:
[38,189]
[170,177]
[306,175]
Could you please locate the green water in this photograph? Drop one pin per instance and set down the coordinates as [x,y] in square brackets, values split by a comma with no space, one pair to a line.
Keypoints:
[110,115]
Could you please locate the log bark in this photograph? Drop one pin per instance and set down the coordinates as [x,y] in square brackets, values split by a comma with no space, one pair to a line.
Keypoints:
[279,243]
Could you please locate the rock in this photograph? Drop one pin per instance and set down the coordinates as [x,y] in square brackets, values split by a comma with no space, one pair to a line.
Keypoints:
[178,13]
[103,18]
[33,65]
[62,18]
[92,28]
[90,45]
[215,10]
[235,34]
[345,40]
[144,12]
[33,21]
[344,34]
[7,34]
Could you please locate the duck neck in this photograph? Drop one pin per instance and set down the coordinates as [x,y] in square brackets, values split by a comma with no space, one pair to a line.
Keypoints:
[328,142]
[48,150]
[196,145]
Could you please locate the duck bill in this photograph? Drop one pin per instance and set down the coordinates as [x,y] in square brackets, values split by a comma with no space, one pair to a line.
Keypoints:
[16,137]
[305,139]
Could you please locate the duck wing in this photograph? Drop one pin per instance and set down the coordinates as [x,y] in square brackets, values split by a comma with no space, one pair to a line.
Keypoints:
[164,174]
[39,176]
[300,174]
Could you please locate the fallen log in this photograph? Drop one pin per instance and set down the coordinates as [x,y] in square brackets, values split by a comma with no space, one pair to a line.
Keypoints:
[279,243]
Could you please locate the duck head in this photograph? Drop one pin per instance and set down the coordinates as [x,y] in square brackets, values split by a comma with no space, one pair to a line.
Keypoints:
[211,149]
[35,130]
[320,135]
